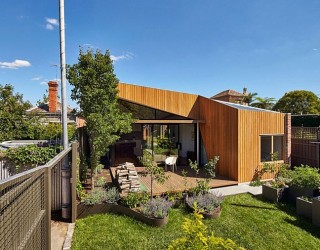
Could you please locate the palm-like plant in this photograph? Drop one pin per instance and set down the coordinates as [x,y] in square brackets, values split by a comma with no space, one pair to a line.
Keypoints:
[264,102]
[249,98]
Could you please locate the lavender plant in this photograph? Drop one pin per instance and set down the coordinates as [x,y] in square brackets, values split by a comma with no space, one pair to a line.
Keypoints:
[156,208]
[112,195]
[206,202]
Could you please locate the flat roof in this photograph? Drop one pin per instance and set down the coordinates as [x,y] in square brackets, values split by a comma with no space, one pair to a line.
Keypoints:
[244,107]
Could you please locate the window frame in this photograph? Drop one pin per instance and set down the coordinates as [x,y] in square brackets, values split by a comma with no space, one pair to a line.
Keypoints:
[272,147]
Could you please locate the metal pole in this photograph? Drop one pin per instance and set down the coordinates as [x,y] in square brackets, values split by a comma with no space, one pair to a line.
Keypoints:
[63,76]
[198,144]
[65,168]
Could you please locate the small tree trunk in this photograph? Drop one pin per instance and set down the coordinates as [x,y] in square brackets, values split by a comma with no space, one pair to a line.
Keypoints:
[93,162]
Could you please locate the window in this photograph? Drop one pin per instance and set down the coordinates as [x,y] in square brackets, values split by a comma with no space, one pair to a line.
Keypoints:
[271,145]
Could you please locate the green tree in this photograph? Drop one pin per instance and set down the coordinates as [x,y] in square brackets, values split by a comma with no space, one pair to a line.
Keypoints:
[14,123]
[264,103]
[298,102]
[95,90]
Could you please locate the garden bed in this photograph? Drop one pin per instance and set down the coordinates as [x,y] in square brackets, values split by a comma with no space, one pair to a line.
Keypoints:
[87,210]
[245,219]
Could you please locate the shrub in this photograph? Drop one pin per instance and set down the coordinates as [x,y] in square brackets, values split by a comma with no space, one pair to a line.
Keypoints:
[196,237]
[100,182]
[305,176]
[80,191]
[112,195]
[30,155]
[201,188]
[96,196]
[134,199]
[156,208]
[210,167]
[205,202]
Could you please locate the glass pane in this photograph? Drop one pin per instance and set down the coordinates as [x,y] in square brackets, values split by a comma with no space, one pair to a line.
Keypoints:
[278,146]
[265,148]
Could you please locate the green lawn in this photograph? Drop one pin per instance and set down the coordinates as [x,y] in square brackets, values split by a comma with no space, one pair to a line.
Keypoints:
[249,221]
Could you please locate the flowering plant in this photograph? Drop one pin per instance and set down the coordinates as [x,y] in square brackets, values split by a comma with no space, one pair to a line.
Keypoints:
[156,208]
[208,203]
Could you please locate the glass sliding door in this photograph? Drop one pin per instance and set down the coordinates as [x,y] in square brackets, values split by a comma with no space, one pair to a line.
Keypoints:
[161,140]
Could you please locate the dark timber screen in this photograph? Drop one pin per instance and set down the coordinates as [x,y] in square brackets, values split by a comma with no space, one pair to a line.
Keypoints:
[305,144]
[27,200]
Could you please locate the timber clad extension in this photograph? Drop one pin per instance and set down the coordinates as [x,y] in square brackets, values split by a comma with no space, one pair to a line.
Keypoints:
[229,130]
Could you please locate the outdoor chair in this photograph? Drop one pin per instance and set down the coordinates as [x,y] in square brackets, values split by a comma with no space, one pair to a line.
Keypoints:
[171,161]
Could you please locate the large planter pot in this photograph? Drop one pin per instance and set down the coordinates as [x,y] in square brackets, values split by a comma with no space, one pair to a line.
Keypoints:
[274,194]
[294,192]
[86,210]
[139,216]
[304,207]
[214,215]
[316,211]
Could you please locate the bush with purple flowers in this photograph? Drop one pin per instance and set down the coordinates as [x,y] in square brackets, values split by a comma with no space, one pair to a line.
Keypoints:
[156,208]
[207,203]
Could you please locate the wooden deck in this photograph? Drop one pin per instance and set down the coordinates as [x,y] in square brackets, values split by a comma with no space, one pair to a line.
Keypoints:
[176,180]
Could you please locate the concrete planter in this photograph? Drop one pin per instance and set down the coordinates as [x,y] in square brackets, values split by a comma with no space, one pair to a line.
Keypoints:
[304,207]
[274,194]
[316,211]
[86,210]
[294,192]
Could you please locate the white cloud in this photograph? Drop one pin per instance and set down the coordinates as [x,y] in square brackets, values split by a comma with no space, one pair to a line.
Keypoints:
[49,26]
[315,49]
[51,23]
[15,64]
[126,56]
[37,78]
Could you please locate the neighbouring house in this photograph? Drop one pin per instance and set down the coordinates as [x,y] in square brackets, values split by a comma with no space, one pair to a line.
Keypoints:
[231,96]
[199,128]
[51,111]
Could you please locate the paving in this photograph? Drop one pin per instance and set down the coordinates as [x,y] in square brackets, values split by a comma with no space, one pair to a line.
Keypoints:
[58,234]
[238,189]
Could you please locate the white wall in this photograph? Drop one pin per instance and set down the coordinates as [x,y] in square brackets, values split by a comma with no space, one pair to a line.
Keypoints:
[186,140]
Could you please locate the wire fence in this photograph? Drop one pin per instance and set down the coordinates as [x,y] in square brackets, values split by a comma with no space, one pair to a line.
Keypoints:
[27,200]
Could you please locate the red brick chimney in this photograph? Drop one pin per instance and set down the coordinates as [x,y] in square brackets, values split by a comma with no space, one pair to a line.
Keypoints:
[53,96]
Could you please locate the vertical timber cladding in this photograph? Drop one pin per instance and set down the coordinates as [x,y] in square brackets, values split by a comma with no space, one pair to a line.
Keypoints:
[173,102]
[251,125]
[220,135]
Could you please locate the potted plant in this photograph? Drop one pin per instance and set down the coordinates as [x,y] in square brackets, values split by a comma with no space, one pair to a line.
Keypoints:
[304,206]
[209,204]
[316,211]
[305,182]
[156,211]
[275,190]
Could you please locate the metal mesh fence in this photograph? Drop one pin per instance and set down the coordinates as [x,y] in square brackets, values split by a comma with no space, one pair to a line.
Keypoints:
[305,133]
[23,212]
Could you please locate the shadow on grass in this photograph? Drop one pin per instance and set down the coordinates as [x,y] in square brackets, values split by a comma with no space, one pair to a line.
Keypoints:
[298,221]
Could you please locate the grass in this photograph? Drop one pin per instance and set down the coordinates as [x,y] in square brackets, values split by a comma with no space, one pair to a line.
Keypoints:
[249,221]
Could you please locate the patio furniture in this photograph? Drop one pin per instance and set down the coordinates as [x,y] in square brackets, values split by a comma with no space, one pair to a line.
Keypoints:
[171,161]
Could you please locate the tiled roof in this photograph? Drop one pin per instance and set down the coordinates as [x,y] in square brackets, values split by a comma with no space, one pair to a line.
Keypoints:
[45,108]
[228,92]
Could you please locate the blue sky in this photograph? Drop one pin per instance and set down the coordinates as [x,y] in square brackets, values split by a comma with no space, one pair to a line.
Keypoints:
[201,47]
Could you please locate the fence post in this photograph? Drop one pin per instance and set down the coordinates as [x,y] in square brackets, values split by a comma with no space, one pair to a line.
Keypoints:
[47,183]
[73,182]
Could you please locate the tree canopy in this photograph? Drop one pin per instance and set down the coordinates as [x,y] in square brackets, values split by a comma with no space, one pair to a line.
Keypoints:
[298,102]
[13,121]
[95,90]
